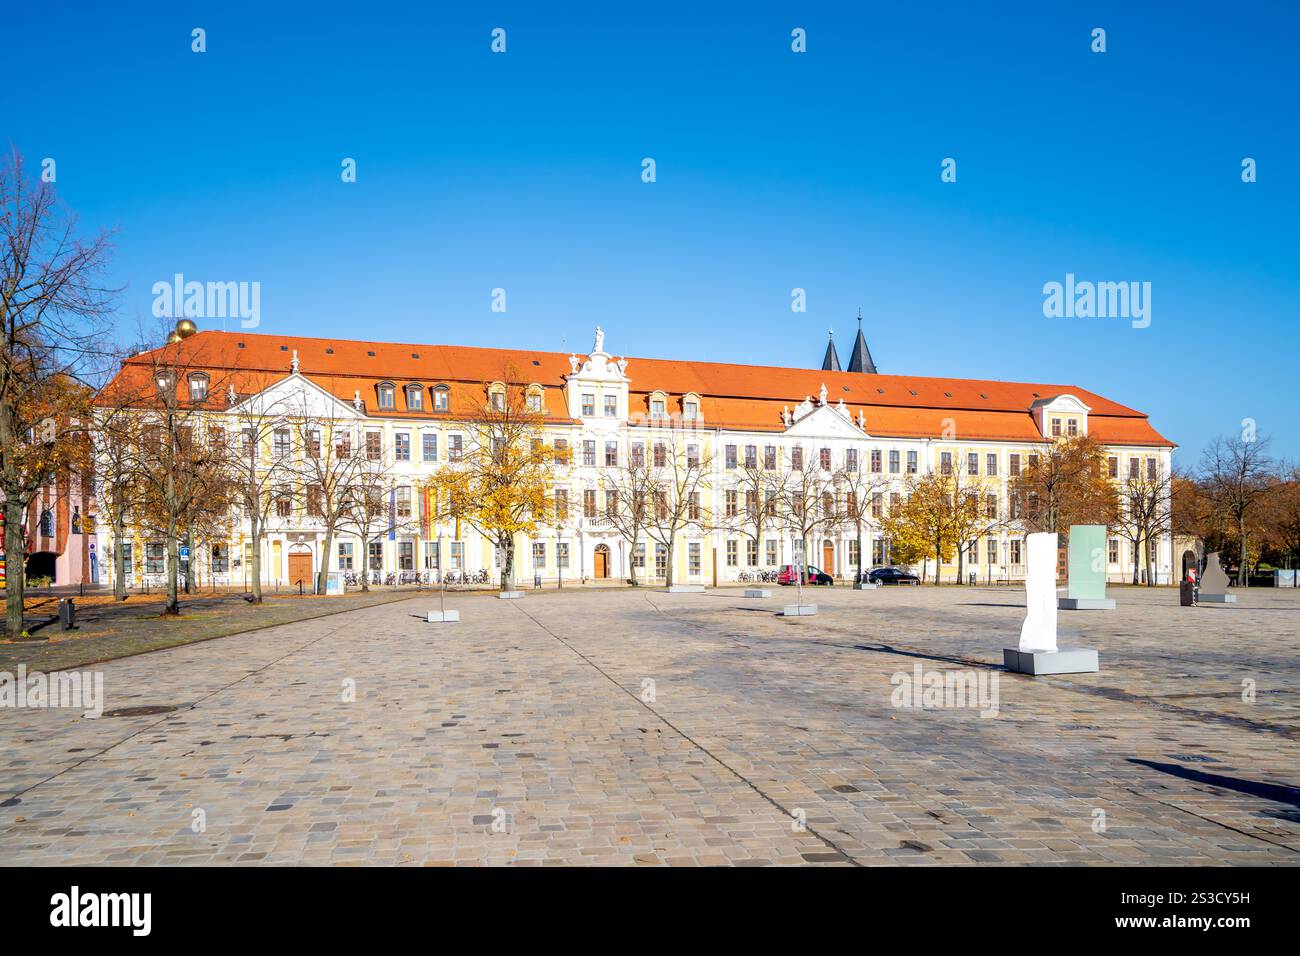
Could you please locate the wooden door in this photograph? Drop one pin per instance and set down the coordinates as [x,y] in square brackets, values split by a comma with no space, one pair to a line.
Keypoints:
[299,569]
[602,562]
[828,557]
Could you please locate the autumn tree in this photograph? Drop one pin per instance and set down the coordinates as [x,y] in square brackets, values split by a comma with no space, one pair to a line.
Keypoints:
[923,523]
[1235,476]
[1065,484]
[53,321]
[504,476]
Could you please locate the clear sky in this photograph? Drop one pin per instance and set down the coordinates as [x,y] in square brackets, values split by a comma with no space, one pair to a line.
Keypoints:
[775,170]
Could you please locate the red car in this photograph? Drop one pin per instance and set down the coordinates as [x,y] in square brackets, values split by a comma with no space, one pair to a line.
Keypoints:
[790,575]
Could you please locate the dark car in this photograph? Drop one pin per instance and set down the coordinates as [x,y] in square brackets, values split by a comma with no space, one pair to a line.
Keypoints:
[891,576]
[789,575]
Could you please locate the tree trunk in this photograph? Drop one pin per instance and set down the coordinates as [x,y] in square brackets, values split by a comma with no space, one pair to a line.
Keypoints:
[365,563]
[1243,579]
[119,562]
[668,569]
[631,561]
[938,560]
[508,565]
[15,568]
[1137,546]
[173,569]
[322,574]
[255,539]
[961,563]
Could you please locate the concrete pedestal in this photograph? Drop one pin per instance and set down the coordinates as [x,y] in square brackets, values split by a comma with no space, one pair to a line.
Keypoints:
[1085,604]
[443,617]
[510,595]
[1204,598]
[758,592]
[1063,660]
[686,589]
[800,610]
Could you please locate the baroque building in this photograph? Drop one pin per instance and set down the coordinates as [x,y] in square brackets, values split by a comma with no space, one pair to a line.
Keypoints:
[406,407]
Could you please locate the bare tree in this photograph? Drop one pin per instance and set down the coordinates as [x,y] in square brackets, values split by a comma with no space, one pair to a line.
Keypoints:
[1236,473]
[679,467]
[806,504]
[369,508]
[860,490]
[628,489]
[329,468]
[1145,503]
[53,318]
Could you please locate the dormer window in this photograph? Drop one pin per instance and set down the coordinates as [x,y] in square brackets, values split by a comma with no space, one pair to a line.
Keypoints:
[386,393]
[497,396]
[198,386]
[414,398]
[165,383]
[658,405]
[690,407]
[533,400]
[441,398]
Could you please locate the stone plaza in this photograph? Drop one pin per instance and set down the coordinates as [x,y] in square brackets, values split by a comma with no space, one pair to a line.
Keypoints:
[636,727]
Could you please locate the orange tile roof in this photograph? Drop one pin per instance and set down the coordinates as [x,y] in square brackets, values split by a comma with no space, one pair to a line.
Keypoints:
[748,397]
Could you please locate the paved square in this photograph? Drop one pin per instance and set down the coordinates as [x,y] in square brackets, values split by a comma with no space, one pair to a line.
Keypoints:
[530,734]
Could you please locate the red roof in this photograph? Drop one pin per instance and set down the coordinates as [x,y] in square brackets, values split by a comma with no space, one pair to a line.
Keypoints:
[732,396]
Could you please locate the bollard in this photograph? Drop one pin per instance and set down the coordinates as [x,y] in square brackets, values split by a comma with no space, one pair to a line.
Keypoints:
[67,614]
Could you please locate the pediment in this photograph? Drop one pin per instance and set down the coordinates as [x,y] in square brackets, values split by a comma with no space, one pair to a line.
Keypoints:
[825,421]
[295,396]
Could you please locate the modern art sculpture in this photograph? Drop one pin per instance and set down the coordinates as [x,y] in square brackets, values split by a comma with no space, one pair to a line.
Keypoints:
[1214,583]
[1087,570]
[1037,652]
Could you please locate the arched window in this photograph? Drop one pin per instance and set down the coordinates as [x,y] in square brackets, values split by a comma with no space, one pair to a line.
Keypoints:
[690,407]
[198,386]
[47,523]
[386,393]
[415,398]
[497,396]
[535,399]
[441,398]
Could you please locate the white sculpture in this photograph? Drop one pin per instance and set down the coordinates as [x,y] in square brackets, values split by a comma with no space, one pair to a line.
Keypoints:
[622,366]
[573,364]
[232,394]
[785,415]
[839,407]
[295,361]
[600,341]
[862,422]
[356,399]
[1038,633]
[821,399]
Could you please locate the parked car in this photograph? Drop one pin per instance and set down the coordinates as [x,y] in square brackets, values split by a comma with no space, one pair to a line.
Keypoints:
[890,576]
[789,574]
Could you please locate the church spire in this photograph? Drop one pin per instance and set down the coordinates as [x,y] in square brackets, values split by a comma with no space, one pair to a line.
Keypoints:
[860,357]
[831,363]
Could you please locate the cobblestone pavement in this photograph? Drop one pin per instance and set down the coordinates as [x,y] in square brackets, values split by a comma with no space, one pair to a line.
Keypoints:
[529,734]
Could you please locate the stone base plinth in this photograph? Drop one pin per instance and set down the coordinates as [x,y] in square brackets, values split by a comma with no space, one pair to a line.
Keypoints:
[1204,598]
[865,586]
[510,595]
[1085,604]
[686,589]
[758,592]
[1063,660]
[443,617]
[800,610]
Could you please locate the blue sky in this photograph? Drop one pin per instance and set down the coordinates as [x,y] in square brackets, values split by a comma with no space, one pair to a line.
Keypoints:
[775,170]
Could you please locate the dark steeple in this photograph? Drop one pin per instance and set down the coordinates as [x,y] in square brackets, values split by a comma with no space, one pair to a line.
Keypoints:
[860,358]
[831,363]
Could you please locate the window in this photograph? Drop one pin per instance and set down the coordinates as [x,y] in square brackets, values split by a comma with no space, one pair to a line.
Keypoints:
[432,555]
[343,445]
[314,509]
[692,456]
[973,463]
[562,455]
[611,454]
[990,506]
[402,446]
[153,557]
[769,457]
[661,454]
[375,553]
[771,553]
[1133,466]
[731,504]
[387,395]
[1013,506]
[638,455]
[693,507]
[657,408]
[991,464]
[1112,466]
[1112,551]
[455,447]
[406,555]
[751,456]
[693,558]
[661,561]
[198,387]
[751,553]
[539,554]
[429,446]
[611,406]
[1151,469]
[127,555]
[1056,427]
[374,445]
[458,555]
[895,501]
[345,556]
[589,503]
[498,399]
[441,398]
[851,504]
[911,463]
[283,502]
[1013,466]
[47,523]
[828,504]
[876,466]
[414,398]
[894,465]
[402,501]
[690,411]
[561,505]
[731,456]
[751,504]
[1072,427]
[281,444]
[825,459]
[1015,551]
[534,403]
[638,555]
[945,463]
[589,452]
[562,554]
[973,552]
[611,502]
[853,552]
[850,459]
[876,505]
[733,553]
[661,504]
[796,458]
[991,550]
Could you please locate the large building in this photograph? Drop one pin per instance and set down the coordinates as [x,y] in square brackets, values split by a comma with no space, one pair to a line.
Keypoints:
[407,406]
